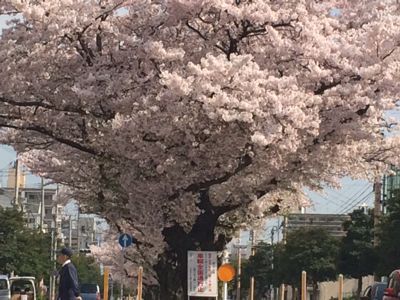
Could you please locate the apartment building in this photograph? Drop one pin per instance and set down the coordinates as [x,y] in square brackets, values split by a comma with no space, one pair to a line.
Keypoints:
[332,223]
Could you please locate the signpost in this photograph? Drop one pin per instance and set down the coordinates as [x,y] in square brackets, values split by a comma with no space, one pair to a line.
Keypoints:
[226,273]
[125,240]
[202,274]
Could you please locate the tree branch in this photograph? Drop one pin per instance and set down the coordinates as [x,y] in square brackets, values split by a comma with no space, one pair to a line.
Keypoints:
[51,135]
[244,162]
[68,108]
[323,86]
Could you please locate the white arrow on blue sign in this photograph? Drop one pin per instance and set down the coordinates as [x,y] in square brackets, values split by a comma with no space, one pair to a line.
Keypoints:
[125,240]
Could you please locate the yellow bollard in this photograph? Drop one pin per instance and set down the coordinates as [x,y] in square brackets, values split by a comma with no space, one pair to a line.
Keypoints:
[340,296]
[251,288]
[304,285]
[282,294]
[105,290]
[140,283]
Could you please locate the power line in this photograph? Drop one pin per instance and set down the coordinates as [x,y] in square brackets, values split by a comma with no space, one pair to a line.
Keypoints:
[331,200]
[341,196]
[359,202]
[355,203]
[355,197]
[351,204]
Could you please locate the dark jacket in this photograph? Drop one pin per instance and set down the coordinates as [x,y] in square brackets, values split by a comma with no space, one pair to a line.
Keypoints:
[69,287]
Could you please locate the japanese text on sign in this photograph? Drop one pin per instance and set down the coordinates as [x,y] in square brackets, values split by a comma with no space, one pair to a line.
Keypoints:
[202,274]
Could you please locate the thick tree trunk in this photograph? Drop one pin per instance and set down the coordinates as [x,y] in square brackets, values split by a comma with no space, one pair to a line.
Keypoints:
[172,266]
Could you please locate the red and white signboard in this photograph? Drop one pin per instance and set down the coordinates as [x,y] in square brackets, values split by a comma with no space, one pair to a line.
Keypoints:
[202,274]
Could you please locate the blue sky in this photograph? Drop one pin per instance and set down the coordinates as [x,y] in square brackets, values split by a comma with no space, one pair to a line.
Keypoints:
[7,156]
[3,21]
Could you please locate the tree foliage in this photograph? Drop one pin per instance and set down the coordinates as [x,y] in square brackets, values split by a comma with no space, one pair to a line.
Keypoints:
[23,251]
[310,250]
[88,269]
[389,240]
[179,120]
[357,256]
[261,266]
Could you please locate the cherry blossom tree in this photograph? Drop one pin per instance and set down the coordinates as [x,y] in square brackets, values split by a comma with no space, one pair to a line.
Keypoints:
[181,120]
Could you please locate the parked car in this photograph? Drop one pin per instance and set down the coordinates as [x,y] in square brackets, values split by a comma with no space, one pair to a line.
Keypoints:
[90,291]
[392,292]
[375,291]
[5,293]
[23,288]
[17,288]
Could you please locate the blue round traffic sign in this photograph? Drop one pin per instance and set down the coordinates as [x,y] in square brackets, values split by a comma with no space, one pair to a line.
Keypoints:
[125,240]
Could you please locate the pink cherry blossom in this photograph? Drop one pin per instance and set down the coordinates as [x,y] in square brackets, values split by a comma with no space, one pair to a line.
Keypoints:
[157,113]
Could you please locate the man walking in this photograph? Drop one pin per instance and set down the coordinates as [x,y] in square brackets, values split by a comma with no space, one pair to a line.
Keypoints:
[69,287]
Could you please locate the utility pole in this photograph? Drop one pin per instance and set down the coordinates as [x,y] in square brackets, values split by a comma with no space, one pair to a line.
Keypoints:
[384,195]
[272,235]
[51,259]
[285,221]
[54,241]
[77,231]
[252,237]
[55,249]
[272,260]
[70,232]
[42,204]
[239,271]
[16,188]
[377,207]
[277,232]
[53,255]
[225,286]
